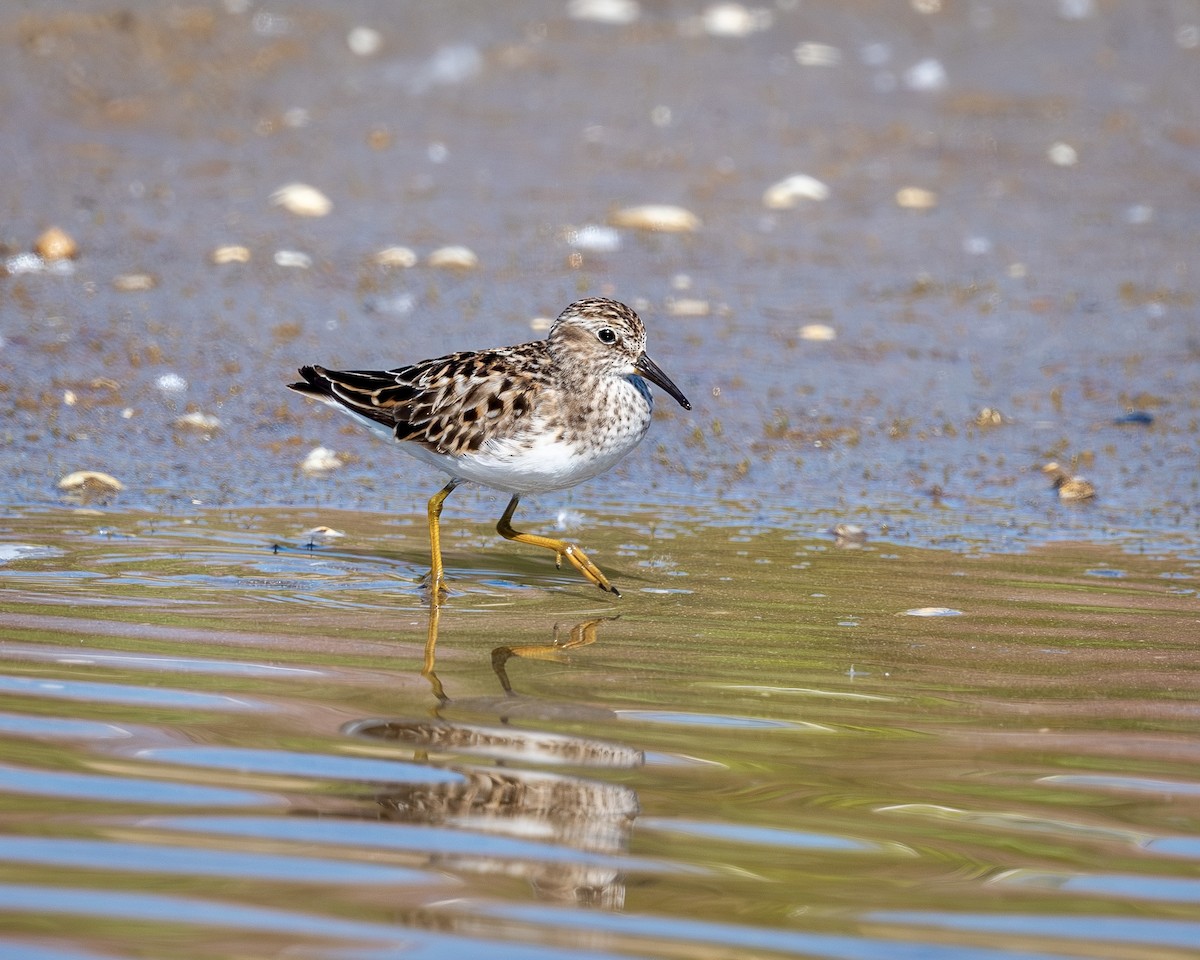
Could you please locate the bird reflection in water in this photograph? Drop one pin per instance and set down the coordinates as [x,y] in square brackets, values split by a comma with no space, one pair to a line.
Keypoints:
[572,831]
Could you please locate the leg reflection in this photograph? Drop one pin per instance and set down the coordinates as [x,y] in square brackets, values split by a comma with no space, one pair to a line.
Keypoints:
[580,635]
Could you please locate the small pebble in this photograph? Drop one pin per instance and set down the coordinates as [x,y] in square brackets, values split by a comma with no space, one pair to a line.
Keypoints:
[1139,418]
[660,217]
[615,12]
[320,460]
[292,258]
[70,398]
[134,282]
[989,417]
[302,200]
[788,193]
[56,244]
[454,258]
[540,324]
[395,257]
[818,333]
[200,422]
[916,198]
[230,253]
[20,263]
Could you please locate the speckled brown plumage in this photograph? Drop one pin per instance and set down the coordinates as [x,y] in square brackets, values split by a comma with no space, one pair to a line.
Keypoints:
[530,418]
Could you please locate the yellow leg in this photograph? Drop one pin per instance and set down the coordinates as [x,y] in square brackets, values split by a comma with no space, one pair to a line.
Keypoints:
[437,574]
[579,559]
[428,671]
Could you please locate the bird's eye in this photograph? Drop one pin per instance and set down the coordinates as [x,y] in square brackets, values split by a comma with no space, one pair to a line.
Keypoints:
[605,335]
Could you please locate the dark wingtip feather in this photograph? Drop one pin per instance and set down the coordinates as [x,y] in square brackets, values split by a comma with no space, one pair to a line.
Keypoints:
[315,383]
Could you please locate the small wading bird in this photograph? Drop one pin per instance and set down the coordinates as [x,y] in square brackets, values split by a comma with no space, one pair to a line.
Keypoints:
[532,418]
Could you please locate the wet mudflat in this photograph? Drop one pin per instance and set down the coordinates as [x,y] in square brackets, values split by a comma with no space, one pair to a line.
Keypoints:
[912,254]
[767,746]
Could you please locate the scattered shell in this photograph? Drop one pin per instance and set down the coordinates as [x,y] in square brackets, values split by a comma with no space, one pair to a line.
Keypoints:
[70,398]
[926,76]
[662,217]
[320,460]
[56,244]
[688,307]
[395,257]
[788,193]
[818,332]
[989,417]
[292,258]
[1069,488]
[916,198]
[734,20]
[618,12]
[932,612]
[1062,154]
[849,536]
[230,253]
[595,237]
[457,258]
[90,483]
[323,533]
[171,383]
[817,55]
[302,200]
[364,41]
[134,282]
[198,421]
[20,263]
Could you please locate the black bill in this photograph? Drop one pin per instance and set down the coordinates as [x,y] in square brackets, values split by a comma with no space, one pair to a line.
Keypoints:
[645,367]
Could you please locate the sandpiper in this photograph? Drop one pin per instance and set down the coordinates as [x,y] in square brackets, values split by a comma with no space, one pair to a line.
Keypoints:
[531,418]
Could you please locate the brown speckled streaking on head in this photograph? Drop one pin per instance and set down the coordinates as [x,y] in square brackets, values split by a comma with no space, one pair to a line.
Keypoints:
[531,418]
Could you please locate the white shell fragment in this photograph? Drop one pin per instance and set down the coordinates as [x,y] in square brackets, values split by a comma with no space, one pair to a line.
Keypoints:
[199,422]
[171,383]
[320,460]
[364,41]
[323,533]
[302,200]
[90,481]
[734,20]
[595,238]
[395,257]
[926,76]
[790,191]
[817,55]
[616,12]
[661,217]
[688,307]
[292,258]
[230,253]
[916,198]
[818,333]
[454,258]
[1062,154]
[134,282]
[932,612]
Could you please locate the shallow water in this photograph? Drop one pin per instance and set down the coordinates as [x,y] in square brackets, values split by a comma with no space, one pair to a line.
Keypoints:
[218,739]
